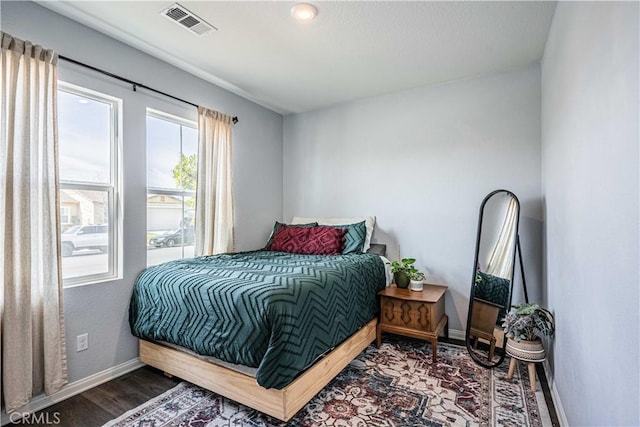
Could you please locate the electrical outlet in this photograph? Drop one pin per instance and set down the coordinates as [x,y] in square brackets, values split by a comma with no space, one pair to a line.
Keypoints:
[82,342]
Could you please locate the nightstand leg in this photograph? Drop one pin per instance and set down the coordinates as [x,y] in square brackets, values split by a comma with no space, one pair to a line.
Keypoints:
[378,336]
[512,368]
[434,349]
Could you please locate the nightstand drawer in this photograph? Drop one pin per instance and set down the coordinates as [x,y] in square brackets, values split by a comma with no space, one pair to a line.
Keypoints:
[409,314]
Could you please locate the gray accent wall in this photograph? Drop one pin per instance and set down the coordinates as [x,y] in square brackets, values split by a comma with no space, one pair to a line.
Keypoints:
[102,309]
[591,191]
[421,161]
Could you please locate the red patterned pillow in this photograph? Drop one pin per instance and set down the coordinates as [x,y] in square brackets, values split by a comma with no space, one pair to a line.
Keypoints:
[308,241]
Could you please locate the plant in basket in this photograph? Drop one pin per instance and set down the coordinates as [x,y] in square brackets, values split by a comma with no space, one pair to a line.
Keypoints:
[524,326]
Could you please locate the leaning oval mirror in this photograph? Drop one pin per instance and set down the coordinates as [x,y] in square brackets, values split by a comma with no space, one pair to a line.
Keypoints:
[492,279]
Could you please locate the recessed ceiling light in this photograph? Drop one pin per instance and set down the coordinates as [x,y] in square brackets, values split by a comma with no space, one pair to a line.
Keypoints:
[304,12]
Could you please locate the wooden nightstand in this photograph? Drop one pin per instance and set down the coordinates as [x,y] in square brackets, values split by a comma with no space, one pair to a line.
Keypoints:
[413,314]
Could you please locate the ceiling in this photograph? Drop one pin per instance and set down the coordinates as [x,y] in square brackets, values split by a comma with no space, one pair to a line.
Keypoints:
[352,50]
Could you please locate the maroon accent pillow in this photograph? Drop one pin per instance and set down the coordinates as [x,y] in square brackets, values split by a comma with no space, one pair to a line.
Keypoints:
[309,241]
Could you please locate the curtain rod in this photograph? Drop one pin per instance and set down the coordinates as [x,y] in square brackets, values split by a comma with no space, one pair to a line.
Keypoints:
[131,82]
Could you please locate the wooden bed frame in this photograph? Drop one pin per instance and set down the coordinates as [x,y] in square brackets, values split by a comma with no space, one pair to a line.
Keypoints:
[282,404]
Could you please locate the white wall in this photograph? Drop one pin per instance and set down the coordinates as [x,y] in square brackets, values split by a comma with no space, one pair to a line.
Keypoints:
[422,161]
[591,189]
[102,309]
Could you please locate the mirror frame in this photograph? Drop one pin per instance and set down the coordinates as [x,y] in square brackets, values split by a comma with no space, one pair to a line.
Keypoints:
[472,353]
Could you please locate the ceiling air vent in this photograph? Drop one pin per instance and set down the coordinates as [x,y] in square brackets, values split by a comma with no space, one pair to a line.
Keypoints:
[180,15]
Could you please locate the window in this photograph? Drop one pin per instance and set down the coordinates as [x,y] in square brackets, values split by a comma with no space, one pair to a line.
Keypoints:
[172,146]
[65,215]
[88,124]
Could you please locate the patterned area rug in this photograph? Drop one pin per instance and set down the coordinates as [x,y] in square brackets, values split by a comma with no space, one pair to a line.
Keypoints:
[397,385]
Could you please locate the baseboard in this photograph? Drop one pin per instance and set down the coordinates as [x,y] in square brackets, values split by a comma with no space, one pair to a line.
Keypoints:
[456,334]
[41,402]
[562,416]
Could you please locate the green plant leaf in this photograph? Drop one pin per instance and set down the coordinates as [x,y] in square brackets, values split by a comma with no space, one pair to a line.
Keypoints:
[528,321]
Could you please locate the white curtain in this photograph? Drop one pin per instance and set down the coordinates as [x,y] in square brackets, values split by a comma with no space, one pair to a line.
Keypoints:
[32,330]
[214,192]
[500,260]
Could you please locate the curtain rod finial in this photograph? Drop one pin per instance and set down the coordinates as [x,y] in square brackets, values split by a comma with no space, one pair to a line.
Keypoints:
[234,119]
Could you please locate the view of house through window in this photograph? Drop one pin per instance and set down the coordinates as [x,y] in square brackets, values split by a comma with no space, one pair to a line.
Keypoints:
[172,145]
[87,132]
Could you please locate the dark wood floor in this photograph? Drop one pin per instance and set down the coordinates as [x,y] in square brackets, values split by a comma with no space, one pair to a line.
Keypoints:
[101,404]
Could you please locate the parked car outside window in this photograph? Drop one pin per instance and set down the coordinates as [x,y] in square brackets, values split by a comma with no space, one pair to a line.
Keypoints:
[171,238]
[85,237]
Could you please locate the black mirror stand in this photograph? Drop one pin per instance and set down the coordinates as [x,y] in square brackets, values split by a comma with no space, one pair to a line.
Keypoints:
[524,282]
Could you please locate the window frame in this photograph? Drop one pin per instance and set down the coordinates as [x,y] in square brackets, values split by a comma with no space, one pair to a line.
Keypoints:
[161,191]
[113,188]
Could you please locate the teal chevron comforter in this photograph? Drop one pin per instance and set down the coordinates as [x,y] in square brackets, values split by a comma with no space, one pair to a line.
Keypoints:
[273,311]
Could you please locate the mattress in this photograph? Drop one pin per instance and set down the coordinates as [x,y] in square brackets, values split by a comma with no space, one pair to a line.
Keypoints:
[273,311]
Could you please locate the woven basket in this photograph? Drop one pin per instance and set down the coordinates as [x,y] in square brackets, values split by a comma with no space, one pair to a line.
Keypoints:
[529,351]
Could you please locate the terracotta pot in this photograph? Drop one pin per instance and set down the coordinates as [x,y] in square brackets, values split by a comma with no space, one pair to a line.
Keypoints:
[529,351]
[401,279]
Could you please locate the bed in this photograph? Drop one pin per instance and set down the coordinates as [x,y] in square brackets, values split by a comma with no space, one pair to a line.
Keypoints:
[267,329]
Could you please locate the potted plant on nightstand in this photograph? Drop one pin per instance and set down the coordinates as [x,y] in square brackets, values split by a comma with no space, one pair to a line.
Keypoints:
[416,279]
[401,270]
[524,325]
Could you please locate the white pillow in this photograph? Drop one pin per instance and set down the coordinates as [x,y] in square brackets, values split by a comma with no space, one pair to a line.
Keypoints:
[369,222]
